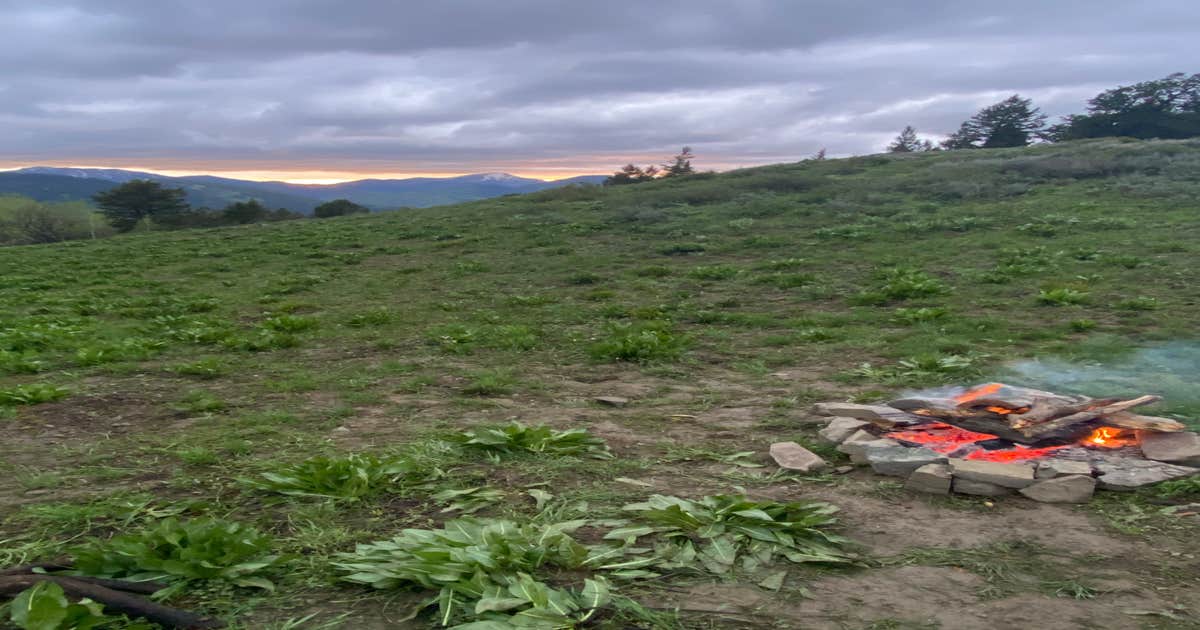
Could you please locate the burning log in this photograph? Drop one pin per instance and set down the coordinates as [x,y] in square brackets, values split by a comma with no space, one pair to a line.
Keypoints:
[1083,416]
[1126,420]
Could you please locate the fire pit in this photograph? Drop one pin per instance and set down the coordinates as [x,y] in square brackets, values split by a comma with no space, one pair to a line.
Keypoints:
[995,439]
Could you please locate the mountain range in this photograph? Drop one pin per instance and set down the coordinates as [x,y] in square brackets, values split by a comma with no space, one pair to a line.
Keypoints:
[48,183]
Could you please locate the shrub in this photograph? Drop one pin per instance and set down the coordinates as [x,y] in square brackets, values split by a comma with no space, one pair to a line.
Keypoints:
[640,342]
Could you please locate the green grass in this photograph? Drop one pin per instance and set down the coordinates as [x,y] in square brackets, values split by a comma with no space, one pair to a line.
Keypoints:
[147,376]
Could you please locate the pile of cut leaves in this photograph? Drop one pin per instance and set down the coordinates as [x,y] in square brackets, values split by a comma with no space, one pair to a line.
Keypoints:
[488,574]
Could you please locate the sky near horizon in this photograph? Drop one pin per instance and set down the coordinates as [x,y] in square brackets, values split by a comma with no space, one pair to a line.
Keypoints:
[326,90]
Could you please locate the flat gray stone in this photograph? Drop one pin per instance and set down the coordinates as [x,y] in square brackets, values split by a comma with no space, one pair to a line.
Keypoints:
[931,478]
[1124,474]
[899,460]
[856,446]
[841,428]
[1010,475]
[792,456]
[880,414]
[1051,468]
[1063,489]
[611,401]
[979,488]
[1176,448]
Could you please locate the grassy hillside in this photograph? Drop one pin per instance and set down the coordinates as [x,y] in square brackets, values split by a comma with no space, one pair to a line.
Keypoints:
[175,365]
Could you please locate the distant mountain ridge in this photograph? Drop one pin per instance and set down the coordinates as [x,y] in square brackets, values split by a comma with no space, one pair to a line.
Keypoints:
[50,183]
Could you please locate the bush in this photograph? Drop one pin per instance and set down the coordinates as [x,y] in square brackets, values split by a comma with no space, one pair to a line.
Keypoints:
[339,207]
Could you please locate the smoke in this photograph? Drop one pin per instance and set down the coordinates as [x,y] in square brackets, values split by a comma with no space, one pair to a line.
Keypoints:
[1171,371]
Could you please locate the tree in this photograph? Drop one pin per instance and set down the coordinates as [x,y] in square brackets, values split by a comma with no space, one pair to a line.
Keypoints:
[1163,108]
[908,142]
[632,174]
[682,164]
[242,212]
[1013,122]
[135,201]
[337,208]
[35,223]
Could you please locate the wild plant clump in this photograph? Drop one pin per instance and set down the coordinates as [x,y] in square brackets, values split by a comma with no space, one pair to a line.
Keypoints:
[179,551]
[32,394]
[639,342]
[516,437]
[351,477]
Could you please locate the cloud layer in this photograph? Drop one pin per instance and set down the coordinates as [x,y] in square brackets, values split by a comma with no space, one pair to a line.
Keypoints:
[542,85]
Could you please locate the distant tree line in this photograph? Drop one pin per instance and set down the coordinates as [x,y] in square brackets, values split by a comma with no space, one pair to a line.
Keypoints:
[137,204]
[680,166]
[1167,108]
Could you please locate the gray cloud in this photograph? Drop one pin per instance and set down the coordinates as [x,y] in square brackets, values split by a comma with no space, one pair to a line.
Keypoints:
[469,85]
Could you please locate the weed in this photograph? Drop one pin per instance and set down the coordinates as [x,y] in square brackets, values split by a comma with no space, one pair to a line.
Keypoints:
[902,283]
[1082,325]
[289,323]
[1138,304]
[32,394]
[371,318]
[45,606]
[174,550]
[199,401]
[642,342]
[208,368]
[490,383]
[912,316]
[714,272]
[1062,296]
[519,438]
[350,477]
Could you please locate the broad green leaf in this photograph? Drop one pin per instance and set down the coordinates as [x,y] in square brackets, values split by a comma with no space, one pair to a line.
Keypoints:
[774,581]
[595,593]
[40,607]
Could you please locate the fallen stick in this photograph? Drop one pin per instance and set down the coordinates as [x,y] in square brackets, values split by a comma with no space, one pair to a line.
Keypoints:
[114,600]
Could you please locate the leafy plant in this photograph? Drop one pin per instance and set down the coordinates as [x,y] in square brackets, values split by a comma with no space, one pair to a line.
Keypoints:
[901,283]
[714,272]
[490,383]
[44,606]
[289,323]
[1061,296]
[516,437]
[923,369]
[20,363]
[921,315]
[1188,488]
[639,342]
[484,571]
[198,549]
[351,477]
[373,317]
[32,394]
[206,369]
[1138,304]
[468,500]
[715,532]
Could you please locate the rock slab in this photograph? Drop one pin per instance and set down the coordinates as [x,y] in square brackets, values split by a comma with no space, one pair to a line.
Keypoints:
[1124,474]
[856,446]
[1008,475]
[1052,468]
[1176,448]
[898,460]
[979,488]
[1063,489]
[931,478]
[880,414]
[792,456]
[611,401]
[841,428]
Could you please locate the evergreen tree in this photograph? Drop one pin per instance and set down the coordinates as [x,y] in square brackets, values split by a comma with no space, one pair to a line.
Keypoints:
[908,142]
[135,201]
[682,164]
[1013,122]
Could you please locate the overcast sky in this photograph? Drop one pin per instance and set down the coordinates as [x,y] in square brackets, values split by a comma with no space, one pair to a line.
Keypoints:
[334,88]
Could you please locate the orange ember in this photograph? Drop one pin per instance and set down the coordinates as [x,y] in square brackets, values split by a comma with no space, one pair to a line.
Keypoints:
[1109,437]
[978,392]
[940,437]
[1017,453]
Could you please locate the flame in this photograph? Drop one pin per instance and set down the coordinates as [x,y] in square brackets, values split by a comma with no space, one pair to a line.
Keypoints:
[978,392]
[940,437]
[1108,437]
